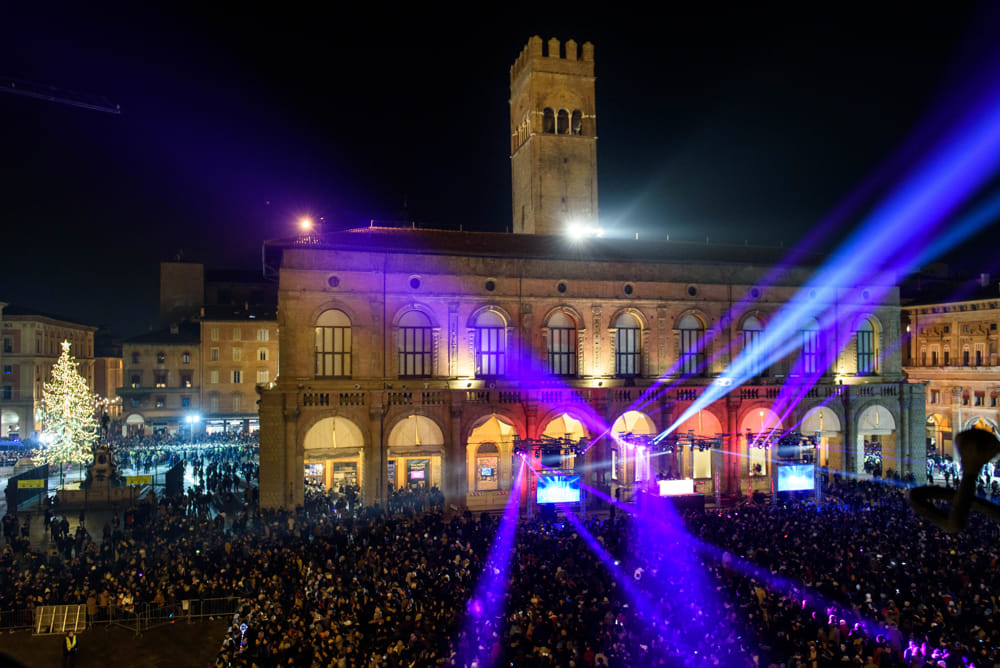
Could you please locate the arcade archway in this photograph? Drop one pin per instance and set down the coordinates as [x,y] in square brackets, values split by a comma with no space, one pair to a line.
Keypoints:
[416,446]
[877,452]
[333,450]
[488,455]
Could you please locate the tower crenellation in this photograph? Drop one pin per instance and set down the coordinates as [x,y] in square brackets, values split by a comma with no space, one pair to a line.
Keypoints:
[553,136]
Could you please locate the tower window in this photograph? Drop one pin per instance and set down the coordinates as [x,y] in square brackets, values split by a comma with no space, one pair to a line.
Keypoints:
[562,127]
[548,121]
[576,125]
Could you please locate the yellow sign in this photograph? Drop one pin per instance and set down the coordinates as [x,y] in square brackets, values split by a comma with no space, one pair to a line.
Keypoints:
[139,479]
[31,484]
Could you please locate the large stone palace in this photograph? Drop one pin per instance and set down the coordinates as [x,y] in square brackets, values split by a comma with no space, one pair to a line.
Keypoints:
[415,357]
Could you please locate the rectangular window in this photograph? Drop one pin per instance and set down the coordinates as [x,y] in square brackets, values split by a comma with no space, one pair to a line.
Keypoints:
[262,354]
[159,379]
[965,357]
[214,333]
[237,403]
[692,357]
[186,358]
[237,376]
[923,358]
[186,379]
[213,403]
[237,352]
[214,355]
[934,396]
[965,399]
[993,401]
[213,376]
[8,392]
[947,354]
[262,335]
[490,344]
[185,402]
[8,344]
[7,369]
[980,353]
[627,351]
[751,343]
[136,380]
[866,352]
[333,351]
[263,375]
[934,358]
[562,351]
[980,399]
[810,351]
[237,334]
[415,345]
[161,402]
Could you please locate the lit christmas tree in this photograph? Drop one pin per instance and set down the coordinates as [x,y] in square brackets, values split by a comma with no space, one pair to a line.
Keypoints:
[68,413]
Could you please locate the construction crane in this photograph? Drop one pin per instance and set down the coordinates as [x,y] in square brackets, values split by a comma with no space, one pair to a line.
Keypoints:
[53,94]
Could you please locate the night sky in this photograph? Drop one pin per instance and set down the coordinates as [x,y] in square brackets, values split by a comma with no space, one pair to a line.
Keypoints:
[747,125]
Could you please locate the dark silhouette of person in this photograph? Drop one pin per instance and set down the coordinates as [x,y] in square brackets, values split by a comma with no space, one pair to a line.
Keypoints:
[976,447]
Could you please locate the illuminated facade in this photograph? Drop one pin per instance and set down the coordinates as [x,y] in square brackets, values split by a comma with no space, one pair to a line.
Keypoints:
[420,358]
[162,380]
[239,351]
[30,348]
[952,349]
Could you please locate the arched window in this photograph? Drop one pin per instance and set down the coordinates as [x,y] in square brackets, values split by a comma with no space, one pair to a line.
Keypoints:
[866,348]
[810,347]
[562,127]
[548,121]
[576,125]
[562,345]
[751,344]
[333,344]
[416,344]
[627,345]
[491,344]
[692,358]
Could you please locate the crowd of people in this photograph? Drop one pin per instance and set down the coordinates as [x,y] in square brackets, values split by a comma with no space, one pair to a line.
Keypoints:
[856,579]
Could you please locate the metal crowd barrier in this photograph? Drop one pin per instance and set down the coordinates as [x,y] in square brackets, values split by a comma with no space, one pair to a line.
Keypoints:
[137,618]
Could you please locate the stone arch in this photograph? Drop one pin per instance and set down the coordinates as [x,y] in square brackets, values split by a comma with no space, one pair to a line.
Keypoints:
[415,430]
[498,431]
[981,422]
[332,436]
[334,305]
[495,308]
[569,311]
[822,419]
[634,422]
[415,306]
[756,314]
[632,311]
[875,418]
[696,313]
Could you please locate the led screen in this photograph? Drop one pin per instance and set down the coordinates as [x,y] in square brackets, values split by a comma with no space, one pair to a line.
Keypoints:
[558,489]
[416,475]
[676,487]
[795,477]
[486,472]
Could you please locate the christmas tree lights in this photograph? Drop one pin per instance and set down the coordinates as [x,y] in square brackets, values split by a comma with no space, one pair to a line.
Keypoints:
[68,413]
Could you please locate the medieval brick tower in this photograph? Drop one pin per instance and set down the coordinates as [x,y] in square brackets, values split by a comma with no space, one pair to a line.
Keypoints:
[553,137]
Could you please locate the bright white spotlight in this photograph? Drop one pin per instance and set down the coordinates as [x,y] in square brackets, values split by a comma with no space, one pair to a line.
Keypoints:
[577,230]
[306,224]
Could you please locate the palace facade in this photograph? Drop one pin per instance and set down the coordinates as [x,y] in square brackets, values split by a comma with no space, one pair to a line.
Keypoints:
[413,357]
